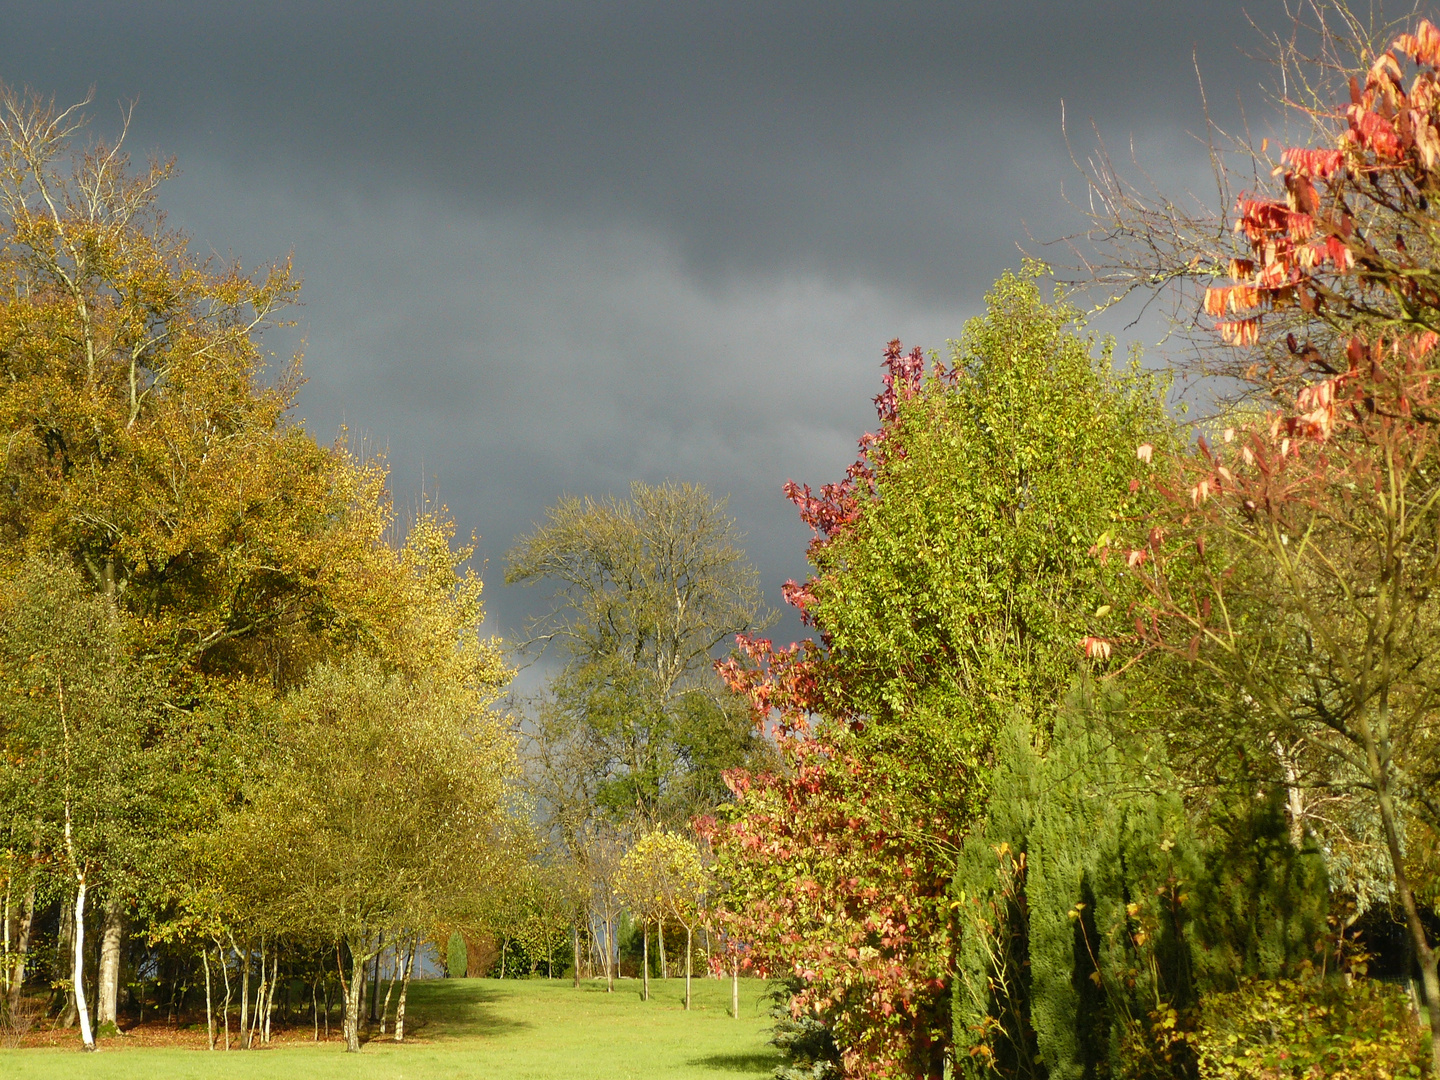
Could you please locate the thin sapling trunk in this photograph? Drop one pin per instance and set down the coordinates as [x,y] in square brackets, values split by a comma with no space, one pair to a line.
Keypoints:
[209,1007]
[688,952]
[735,988]
[405,987]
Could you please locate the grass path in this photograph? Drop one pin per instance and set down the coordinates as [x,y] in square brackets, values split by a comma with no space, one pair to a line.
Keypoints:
[485,1029]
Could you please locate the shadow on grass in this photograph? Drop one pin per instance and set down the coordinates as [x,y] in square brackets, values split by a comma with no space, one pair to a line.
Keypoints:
[457,1009]
[757,1064]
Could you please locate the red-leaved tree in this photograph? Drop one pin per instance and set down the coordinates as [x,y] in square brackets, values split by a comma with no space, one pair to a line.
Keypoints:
[1296,555]
[835,871]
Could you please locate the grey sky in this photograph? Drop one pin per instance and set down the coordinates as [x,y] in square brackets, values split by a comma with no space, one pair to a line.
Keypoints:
[555,247]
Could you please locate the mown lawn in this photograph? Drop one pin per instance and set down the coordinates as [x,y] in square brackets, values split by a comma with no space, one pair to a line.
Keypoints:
[510,1030]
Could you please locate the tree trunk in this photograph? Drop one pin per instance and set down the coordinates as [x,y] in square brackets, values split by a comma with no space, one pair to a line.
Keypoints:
[353,993]
[21,954]
[660,939]
[209,1008]
[65,946]
[688,952]
[274,976]
[504,948]
[405,987]
[735,989]
[575,940]
[244,996]
[108,991]
[86,1035]
[263,994]
[5,966]
[375,984]
[225,971]
[390,985]
[645,959]
[1376,741]
[609,956]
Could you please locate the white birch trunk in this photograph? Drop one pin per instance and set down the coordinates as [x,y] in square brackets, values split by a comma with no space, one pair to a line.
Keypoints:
[735,989]
[87,1036]
[405,988]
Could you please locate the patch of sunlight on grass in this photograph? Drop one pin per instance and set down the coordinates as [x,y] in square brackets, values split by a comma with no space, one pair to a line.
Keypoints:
[501,1030]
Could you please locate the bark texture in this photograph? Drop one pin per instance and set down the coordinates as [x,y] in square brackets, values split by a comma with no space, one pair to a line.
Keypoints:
[108,991]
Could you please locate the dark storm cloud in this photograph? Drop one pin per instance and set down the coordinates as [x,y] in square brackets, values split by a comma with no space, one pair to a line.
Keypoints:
[560,246]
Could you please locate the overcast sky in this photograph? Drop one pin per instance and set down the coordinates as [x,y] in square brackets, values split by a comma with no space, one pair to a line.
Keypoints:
[555,247]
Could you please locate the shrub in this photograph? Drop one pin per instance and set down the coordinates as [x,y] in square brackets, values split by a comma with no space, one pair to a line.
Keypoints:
[1286,1028]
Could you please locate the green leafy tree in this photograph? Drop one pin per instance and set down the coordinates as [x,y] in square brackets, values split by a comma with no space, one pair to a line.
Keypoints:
[952,588]
[383,814]
[150,448]
[86,762]
[644,592]
[660,878]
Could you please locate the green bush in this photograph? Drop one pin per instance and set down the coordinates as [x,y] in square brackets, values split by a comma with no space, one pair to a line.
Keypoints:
[457,957]
[1284,1028]
[805,1043]
[1097,910]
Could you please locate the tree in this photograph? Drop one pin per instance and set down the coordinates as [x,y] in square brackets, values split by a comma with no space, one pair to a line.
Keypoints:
[549,916]
[645,590]
[952,581]
[84,761]
[151,449]
[1293,556]
[837,874]
[641,885]
[949,562]
[383,814]
[661,877]
[1097,907]
[685,894]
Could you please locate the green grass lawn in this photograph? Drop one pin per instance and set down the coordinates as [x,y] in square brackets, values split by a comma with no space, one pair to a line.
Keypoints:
[483,1028]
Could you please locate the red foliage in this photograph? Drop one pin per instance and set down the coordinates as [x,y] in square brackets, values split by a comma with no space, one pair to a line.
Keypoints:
[837,505]
[835,870]
[826,882]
